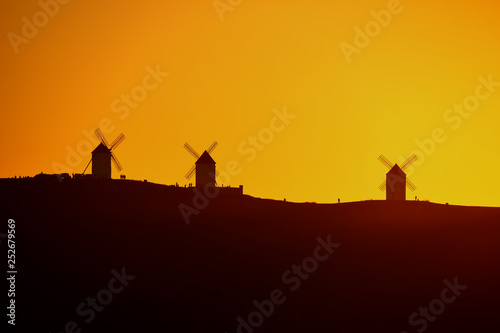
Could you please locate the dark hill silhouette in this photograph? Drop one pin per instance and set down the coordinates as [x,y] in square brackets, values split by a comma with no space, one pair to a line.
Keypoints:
[393,259]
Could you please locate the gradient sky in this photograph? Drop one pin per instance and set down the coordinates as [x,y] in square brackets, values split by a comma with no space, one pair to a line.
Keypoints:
[227,76]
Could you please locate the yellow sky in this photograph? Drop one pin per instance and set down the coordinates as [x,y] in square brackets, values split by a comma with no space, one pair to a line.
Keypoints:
[350,97]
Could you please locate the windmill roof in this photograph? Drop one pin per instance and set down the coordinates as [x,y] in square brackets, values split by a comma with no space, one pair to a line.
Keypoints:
[396,170]
[101,149]
[205,158]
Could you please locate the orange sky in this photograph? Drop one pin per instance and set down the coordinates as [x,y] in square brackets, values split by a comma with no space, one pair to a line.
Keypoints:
[228,78]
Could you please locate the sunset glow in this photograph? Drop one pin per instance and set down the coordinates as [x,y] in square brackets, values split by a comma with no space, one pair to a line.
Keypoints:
[302,96]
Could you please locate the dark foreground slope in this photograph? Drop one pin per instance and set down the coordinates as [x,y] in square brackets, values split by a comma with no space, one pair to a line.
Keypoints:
[392,260]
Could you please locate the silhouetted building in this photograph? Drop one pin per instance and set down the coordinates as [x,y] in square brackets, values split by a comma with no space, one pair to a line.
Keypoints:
[228,190]
[396,181]
[101,162]
[205,170]
[103,155]
[396,184]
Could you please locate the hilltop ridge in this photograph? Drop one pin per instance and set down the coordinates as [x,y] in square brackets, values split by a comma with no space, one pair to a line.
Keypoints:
[390,259]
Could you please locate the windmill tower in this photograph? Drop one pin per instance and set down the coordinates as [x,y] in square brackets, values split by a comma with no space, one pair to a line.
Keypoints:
[204,166]
[102,156]
[396,181]
[205,170]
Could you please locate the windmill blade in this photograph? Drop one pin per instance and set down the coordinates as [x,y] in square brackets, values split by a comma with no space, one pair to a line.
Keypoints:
[410,185]
[409,162]
[86,167]
[101,137]
[191,171]
[117,141]
[191,150]
[385,161]
[383,186]
[116,163]
[212,147]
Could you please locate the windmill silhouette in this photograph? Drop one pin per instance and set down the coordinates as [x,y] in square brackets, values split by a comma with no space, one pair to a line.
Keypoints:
[396,180]
[102,156]
[204,166]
